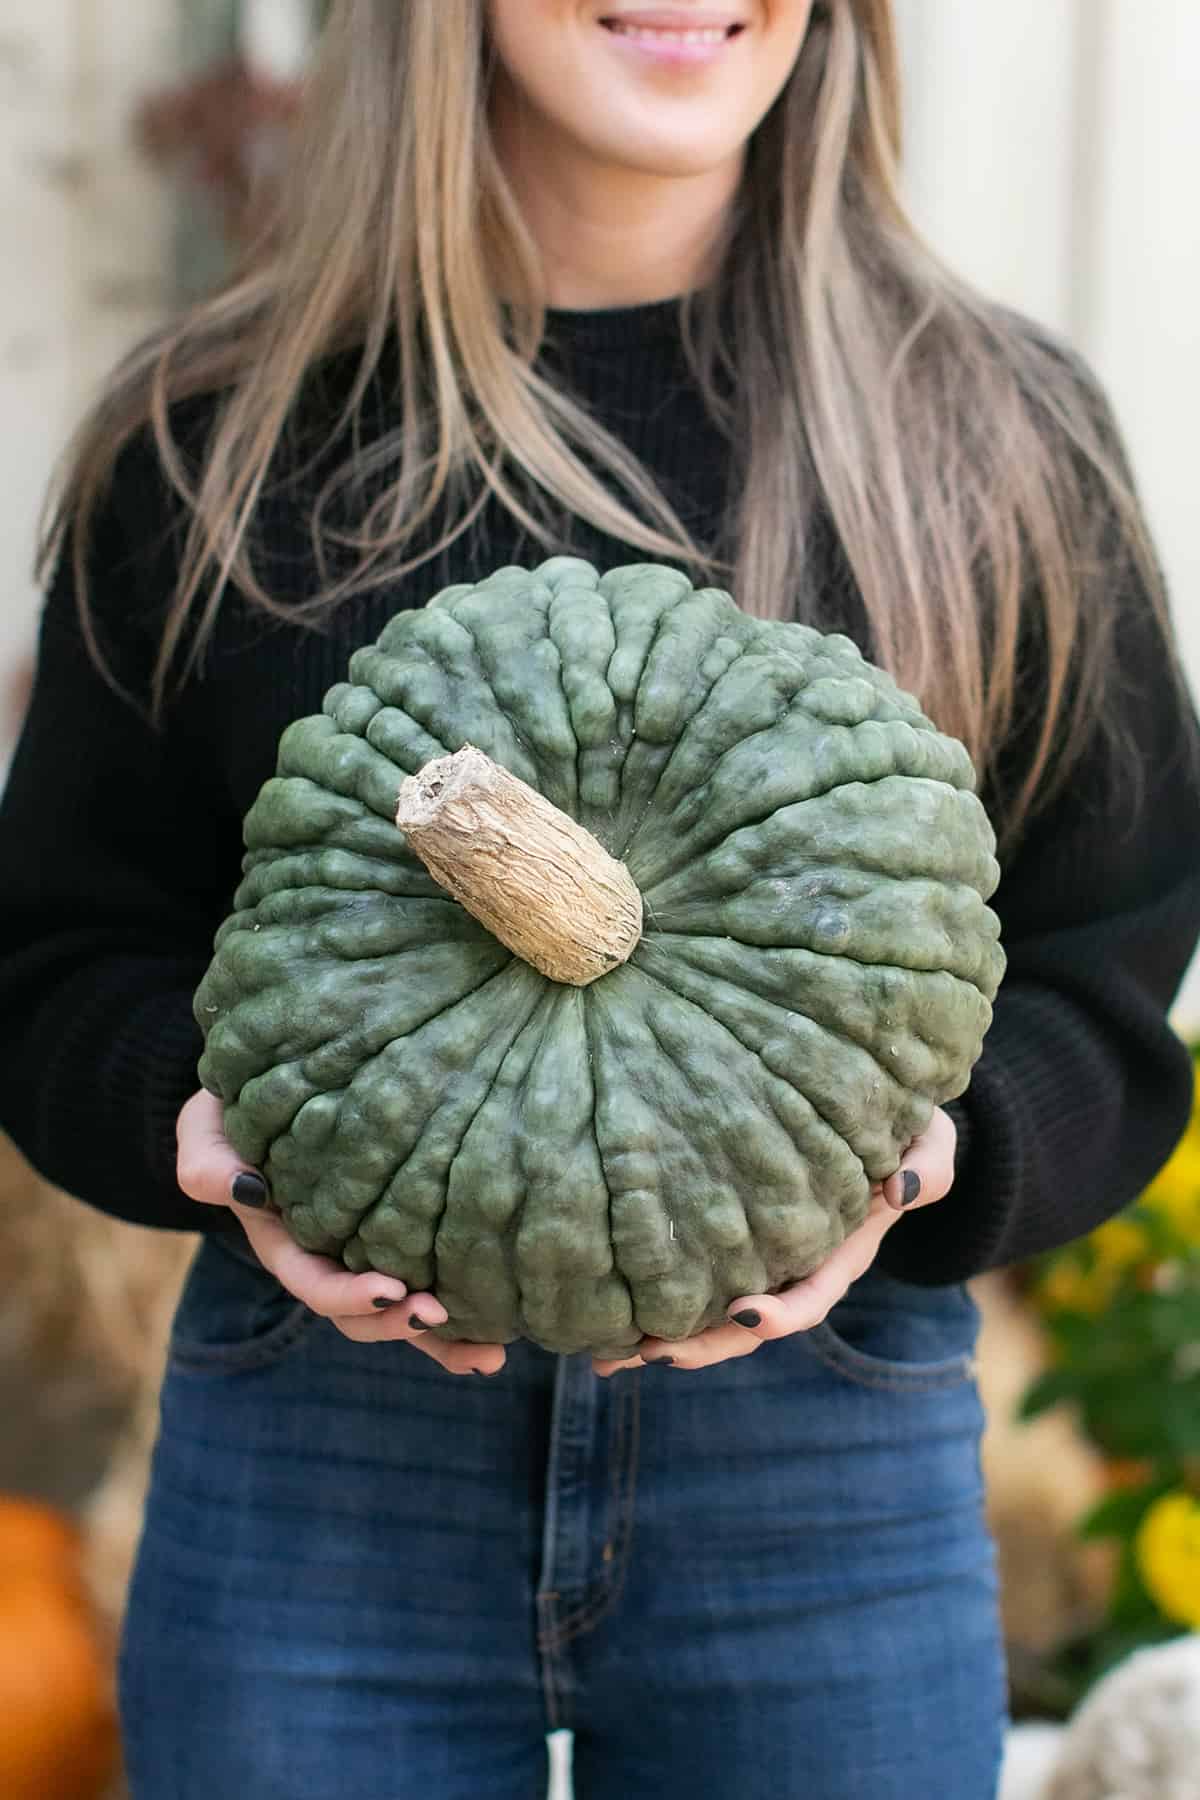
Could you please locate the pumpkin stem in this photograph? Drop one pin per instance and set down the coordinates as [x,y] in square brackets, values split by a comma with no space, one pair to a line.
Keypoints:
[527,871]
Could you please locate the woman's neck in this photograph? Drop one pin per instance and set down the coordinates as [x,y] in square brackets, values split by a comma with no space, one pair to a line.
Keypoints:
[611,236]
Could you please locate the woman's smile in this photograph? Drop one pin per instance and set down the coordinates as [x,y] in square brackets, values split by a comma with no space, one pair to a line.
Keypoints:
[673,90]
[682,40]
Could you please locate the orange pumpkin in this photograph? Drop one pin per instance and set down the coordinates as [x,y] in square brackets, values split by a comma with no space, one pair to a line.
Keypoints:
[58,1732]
[35,1536]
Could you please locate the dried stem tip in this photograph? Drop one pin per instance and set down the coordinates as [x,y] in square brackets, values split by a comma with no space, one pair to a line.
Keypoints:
[537,880]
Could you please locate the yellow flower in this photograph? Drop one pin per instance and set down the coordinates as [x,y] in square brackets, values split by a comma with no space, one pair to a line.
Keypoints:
[1084,1280]
[1167,1548]
[1174,1194]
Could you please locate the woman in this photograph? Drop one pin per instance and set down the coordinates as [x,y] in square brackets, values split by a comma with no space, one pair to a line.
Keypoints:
[634,283]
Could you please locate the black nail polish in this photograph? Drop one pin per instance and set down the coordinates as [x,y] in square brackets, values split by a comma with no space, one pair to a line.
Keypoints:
[667,1362]
[910,1187]
[747,1316]
[418,1323]
[382,1302]
[249,1189]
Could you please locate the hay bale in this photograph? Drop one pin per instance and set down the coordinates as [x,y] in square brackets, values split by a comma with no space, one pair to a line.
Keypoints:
[83,1333]
[1041,1477]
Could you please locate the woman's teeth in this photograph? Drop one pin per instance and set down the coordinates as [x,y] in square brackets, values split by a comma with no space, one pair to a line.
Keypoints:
[651,34]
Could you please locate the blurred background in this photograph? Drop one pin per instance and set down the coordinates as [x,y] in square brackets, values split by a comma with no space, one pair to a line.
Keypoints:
[1053,153]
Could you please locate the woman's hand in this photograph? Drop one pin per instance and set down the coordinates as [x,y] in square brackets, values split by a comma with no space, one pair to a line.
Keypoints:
[368,1308]
[925,1175]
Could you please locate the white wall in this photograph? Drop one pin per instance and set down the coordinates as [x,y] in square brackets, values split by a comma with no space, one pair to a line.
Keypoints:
[1053,154]
[86,235]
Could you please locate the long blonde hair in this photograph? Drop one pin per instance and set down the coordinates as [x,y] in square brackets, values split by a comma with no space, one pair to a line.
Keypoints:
[962,457]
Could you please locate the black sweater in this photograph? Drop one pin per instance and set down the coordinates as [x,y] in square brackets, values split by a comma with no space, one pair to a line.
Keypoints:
[120,848]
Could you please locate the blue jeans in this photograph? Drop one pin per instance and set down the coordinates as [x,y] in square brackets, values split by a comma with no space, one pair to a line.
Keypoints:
[361,1575]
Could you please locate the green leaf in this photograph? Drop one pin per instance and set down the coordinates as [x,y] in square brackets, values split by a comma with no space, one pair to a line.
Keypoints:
[1131,1608]
[1050,1389]
[1124,1415]
[1179,1415]
[1119,1515]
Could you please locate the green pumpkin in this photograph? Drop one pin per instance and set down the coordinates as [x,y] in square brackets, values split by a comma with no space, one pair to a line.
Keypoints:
[579,1165]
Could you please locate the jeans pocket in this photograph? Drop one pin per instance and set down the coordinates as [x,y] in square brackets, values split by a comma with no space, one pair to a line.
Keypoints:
[233,1314]
[891,1334]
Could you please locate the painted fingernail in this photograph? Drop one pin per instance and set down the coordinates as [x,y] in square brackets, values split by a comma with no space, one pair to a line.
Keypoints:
[910,1187]
[418,1323]
[667,1362]
[747,1316]
[249,1189]
[382,1302]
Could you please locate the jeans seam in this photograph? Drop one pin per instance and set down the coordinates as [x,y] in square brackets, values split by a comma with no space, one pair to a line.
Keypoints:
[232,1359]
[949,1375]
[620,1521]
[554,1695]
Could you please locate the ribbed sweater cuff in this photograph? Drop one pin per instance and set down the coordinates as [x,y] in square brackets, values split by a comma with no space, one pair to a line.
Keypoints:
[957,1237]
[115,1143]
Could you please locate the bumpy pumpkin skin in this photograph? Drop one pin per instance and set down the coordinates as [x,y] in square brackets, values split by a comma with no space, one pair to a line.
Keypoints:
[579,1166]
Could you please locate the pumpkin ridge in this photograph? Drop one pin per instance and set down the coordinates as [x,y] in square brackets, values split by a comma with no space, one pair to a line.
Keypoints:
[559,1264]
[577,1252]
[596,1063]
[560,670]
[743,647]
[289,870]
[513,1024]
[464,705]
[686,660]
[578,618]
[746,1192]
[839,1031]
[457,969]
[875,1102]
[694,852]
[662,1272]
[455,1269]
[784,667]
[631,838]
[683,746]
[510,1234]
[842,1037]
[494,615]
[773,1075]
[864,962]
[666,1051]
[340,900]
[623,852]
[233,1122]
[831,835]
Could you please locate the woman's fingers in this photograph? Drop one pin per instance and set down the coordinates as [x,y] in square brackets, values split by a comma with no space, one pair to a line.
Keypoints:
[757,1318]
[461,1358]
[926,1171]
[925,1175]
[608,1365]
[207,1164]
[806,1303]
[323,1285]
[370,1308]
[720,1343]
[375,1308]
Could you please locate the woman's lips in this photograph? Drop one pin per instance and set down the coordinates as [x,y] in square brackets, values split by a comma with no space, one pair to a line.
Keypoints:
[672,43]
